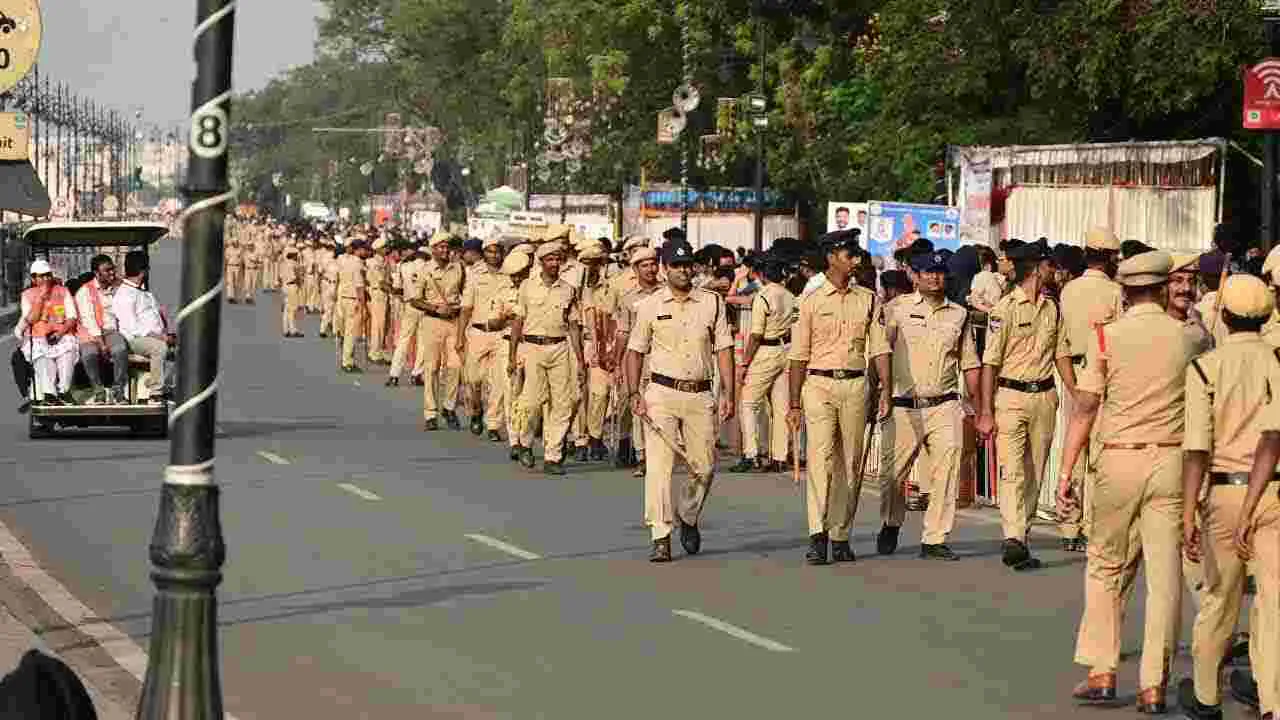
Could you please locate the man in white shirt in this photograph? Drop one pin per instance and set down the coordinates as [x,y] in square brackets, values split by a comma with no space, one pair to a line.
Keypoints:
[48,337]
[139,321]
[98,333]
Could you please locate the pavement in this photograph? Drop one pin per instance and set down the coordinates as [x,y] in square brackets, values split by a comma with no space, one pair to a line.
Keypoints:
[376,571]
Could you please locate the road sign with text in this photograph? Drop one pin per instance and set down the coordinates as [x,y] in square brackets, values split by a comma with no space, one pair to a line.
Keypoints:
[1262,95]
[20,32]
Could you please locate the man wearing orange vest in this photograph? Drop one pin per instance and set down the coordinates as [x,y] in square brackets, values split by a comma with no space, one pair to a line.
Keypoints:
[49,344]
[98,333]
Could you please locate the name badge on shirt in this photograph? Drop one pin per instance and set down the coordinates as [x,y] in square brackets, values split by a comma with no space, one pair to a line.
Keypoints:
[664,317]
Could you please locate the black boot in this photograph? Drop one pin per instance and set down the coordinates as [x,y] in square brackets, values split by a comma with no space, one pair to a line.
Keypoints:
[1191,707]
[1015,555]
[887,540]
[392,382]
[817,554]
[583,454]
[622,459]
[841,552]
[477,426]
[494,436]
[690,537]
[598,450]
[745,465]
[451,419]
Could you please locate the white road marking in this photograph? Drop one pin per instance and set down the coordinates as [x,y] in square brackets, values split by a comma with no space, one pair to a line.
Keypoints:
[504,547]
[272,458]
[122,649]
[734,631]
[359,491]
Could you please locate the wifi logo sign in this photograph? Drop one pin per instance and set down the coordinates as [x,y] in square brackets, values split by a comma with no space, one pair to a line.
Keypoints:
[1268,72]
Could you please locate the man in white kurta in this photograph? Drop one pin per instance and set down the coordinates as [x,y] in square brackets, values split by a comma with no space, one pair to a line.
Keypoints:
[48,334]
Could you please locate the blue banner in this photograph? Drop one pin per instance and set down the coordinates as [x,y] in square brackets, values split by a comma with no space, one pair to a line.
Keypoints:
[894,225]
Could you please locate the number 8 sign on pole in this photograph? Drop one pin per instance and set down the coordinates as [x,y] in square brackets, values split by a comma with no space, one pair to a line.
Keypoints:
[20,31]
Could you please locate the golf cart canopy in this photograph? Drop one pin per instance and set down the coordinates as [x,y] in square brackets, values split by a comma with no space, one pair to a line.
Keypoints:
[94,234]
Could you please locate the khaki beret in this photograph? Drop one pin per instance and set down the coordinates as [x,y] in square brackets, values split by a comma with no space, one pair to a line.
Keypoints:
[557,232]
[524,248]
[590,251]
[549,249]
[1100,238]
[380,244]
[1149,268]
[634,241]
[643,254]
[491,241]
[440,237]
[1185,262]
[1248,297]
[515,263]
[1272,263]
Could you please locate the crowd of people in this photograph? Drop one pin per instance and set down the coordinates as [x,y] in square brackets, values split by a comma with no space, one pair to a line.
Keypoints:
[1165,362]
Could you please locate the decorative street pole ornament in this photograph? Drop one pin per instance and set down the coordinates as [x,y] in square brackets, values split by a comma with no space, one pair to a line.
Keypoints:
[20,34]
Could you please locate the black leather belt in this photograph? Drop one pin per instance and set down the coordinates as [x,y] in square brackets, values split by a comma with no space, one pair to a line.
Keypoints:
[1077,359]
[839,374]
[541,340]
[689,386]
[439,315]
[1235,478]
[777,341]
[923,403]
[1034,386]
[482,327]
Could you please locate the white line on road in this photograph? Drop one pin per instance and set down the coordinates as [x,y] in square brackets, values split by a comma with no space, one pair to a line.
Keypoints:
[359,491]
[504,547]
[272,458]
[734,630]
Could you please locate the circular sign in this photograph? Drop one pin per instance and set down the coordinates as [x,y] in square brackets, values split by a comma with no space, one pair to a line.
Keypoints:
[20,31]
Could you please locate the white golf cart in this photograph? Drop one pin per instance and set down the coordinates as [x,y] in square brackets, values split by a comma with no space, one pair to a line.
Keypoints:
[68,247]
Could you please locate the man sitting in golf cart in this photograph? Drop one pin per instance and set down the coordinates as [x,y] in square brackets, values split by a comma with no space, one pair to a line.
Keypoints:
[48,334]
[143,325]
[99,334]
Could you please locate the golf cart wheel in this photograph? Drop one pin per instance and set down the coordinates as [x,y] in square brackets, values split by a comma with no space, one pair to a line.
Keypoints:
[38,429]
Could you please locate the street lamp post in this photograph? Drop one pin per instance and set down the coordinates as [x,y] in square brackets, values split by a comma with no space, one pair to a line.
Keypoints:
[187,550]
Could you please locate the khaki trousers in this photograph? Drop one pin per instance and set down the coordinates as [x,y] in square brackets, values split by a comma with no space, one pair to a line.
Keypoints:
[938,434]
[235,281]
[510,392]
[766,381]
[328,303]
[599,389]
[412,330]
[253,280]
[439,355]
[350,324]
[693,417]
[1134,490]
[1024,437]
[835,413]
[393,327]
[482,354]
[1224,588]
[548,379]
[377,325]
[1075,519]
[311,292]
[292,298]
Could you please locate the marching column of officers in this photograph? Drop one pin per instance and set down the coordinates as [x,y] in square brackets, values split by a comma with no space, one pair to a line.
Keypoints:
[1169,460]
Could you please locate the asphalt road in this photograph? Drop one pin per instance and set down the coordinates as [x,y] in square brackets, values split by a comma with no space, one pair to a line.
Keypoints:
[356,587]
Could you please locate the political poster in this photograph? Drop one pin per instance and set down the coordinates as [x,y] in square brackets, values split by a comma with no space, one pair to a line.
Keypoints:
[894,225]
[847,216]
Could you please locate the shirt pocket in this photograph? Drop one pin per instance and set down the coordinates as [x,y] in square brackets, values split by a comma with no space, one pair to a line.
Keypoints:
[826,326]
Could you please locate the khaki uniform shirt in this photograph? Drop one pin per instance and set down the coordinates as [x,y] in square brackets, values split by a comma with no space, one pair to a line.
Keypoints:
[1138,368]
[375,271]
[1090,300]
[1271,331]
[504,303]
[234,256]
[290,272]
[329,269]
[546,308]
[837,330]
[1223,417]
[351,281]
[617,287]
[412,275]
[574,273]
[1024,337]
[481,293]
[773,312]
[931,346]
[625,307]
[1200,338]
[442,284]
[681,337]
[1206,309]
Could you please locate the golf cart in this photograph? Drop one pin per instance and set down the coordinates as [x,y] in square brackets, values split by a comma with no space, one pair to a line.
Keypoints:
[69,248]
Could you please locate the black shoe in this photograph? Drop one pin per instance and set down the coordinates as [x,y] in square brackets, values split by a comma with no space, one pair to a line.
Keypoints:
[1191,707]
[477,427]
[494,436]
[233,301]
[772,466]
[661,552]
[690,538]
[841,552]
[1243,688]
[745,465]
[515,453]
[25,407]
[354,369]
[392,382]
[416,381]
[887,540]
[526,457]
[817,554]
[451,419]
[937,552]
[250,301]
[431,425]
[324,335]
[624,458]
[553,468]
[582,454]
[1015,555]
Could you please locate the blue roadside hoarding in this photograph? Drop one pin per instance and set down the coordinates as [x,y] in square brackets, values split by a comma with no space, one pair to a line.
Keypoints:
[893,225]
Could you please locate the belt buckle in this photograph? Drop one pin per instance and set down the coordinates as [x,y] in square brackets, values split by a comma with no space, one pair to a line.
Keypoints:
[685,386]
[918,403]
[841,375]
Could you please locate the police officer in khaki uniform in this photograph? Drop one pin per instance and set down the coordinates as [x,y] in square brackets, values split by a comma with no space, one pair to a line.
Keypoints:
[233,257]
[479,332]
[1088,301]
[502,380]
[351,301]
[1182,300]
[763,373]
[1271,276]
[595,403]
[411,276]
[932,346]
[644,269]
[440,301]
[253,264]
[377,277]
[291,280]
[678,331]
[1023,340]
[543,334]
[1227,394]
[329,293]
[1133,383]
[837,335]
[312,268]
